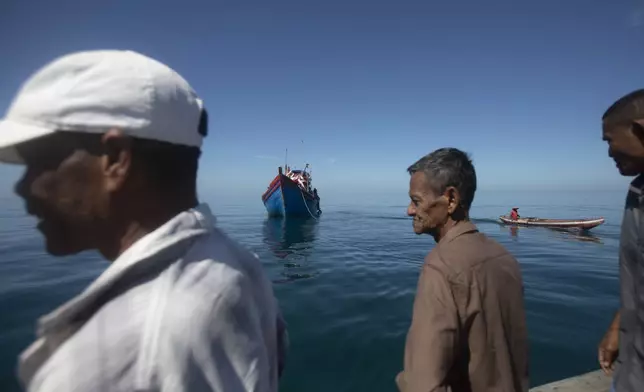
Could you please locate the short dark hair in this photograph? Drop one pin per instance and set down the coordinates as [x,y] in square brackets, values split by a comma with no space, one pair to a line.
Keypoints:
[449,167]
[630,106]
[168,167]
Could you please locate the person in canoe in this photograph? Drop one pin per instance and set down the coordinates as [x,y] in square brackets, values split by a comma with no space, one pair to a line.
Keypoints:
[514,214]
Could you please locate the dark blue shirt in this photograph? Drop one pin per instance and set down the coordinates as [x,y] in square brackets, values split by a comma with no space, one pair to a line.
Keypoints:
[629,376]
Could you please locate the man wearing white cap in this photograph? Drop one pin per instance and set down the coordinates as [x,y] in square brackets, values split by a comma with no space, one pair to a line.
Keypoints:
[111,142]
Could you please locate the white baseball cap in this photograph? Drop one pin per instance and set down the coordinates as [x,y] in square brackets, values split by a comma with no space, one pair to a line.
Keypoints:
[96,91]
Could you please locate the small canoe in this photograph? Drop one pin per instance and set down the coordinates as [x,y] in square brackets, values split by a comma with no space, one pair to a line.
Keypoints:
[584,224]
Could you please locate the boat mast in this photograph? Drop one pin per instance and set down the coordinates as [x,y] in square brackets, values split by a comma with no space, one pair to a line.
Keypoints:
[285,160]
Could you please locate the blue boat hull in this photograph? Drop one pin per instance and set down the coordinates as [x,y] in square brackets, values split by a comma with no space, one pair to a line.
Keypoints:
[285,198]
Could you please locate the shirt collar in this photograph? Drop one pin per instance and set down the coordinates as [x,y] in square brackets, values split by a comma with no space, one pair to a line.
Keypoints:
[143,253]
[461,227]
[637,185]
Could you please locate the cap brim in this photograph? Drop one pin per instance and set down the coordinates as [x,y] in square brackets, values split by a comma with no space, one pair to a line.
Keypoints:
[13,133]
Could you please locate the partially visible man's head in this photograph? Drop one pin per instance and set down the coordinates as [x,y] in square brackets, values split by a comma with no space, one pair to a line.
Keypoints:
[623,130]
[78,185]
[104,136]
[441,188]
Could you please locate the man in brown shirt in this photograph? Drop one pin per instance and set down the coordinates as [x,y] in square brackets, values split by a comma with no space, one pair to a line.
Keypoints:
[468,331]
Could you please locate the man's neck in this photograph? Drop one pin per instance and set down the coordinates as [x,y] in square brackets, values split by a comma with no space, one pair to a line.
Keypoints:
[449,225]
[137,225]
[133,232]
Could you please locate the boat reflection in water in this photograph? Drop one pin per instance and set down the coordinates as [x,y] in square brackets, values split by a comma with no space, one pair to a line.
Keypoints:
[578,235]
[291,240]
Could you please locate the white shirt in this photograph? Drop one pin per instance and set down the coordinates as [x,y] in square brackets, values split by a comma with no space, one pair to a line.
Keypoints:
[183,309]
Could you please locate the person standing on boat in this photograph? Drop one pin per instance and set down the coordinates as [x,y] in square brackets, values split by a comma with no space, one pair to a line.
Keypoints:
[111,141]
[514,214]
[623,343]
[468,331]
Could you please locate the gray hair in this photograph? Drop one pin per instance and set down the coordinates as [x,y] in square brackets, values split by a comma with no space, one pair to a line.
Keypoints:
[449,167]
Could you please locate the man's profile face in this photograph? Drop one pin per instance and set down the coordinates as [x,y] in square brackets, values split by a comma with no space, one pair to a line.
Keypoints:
[62,188]
[430,211]
[625,145]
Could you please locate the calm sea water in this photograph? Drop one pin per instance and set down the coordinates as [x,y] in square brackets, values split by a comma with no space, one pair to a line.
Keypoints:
[346,283]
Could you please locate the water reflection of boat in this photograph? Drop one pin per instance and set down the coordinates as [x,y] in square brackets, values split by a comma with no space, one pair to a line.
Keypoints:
[513,230]
[291,240]
[286,236]
[579,235]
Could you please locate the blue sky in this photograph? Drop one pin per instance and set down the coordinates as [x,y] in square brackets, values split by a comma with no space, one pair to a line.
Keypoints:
[361,89]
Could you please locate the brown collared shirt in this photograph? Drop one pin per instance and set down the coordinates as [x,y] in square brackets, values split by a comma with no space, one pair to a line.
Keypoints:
[468,331]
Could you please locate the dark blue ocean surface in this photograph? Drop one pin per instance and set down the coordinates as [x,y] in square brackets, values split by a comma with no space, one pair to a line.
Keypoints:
[346,283]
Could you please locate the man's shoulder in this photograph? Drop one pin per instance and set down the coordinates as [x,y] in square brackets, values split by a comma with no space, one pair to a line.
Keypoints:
[471,247]
[225,255]
[218,245]
[217,268]
[466,253]
[209,298]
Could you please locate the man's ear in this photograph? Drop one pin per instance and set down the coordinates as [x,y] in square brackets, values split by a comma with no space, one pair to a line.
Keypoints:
[116,159]
[453,199]
[638,130]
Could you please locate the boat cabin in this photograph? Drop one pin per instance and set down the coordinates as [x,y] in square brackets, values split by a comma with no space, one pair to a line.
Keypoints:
[301,177]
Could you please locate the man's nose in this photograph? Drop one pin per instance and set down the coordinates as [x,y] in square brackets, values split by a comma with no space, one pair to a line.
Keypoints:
[19,188]
[22,185]
[411,211]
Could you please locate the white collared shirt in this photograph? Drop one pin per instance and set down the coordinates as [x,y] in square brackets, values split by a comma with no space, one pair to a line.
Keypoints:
[183,309]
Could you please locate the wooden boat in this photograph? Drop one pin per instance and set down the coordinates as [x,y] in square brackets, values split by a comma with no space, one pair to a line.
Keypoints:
[290,194]
[584,224]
